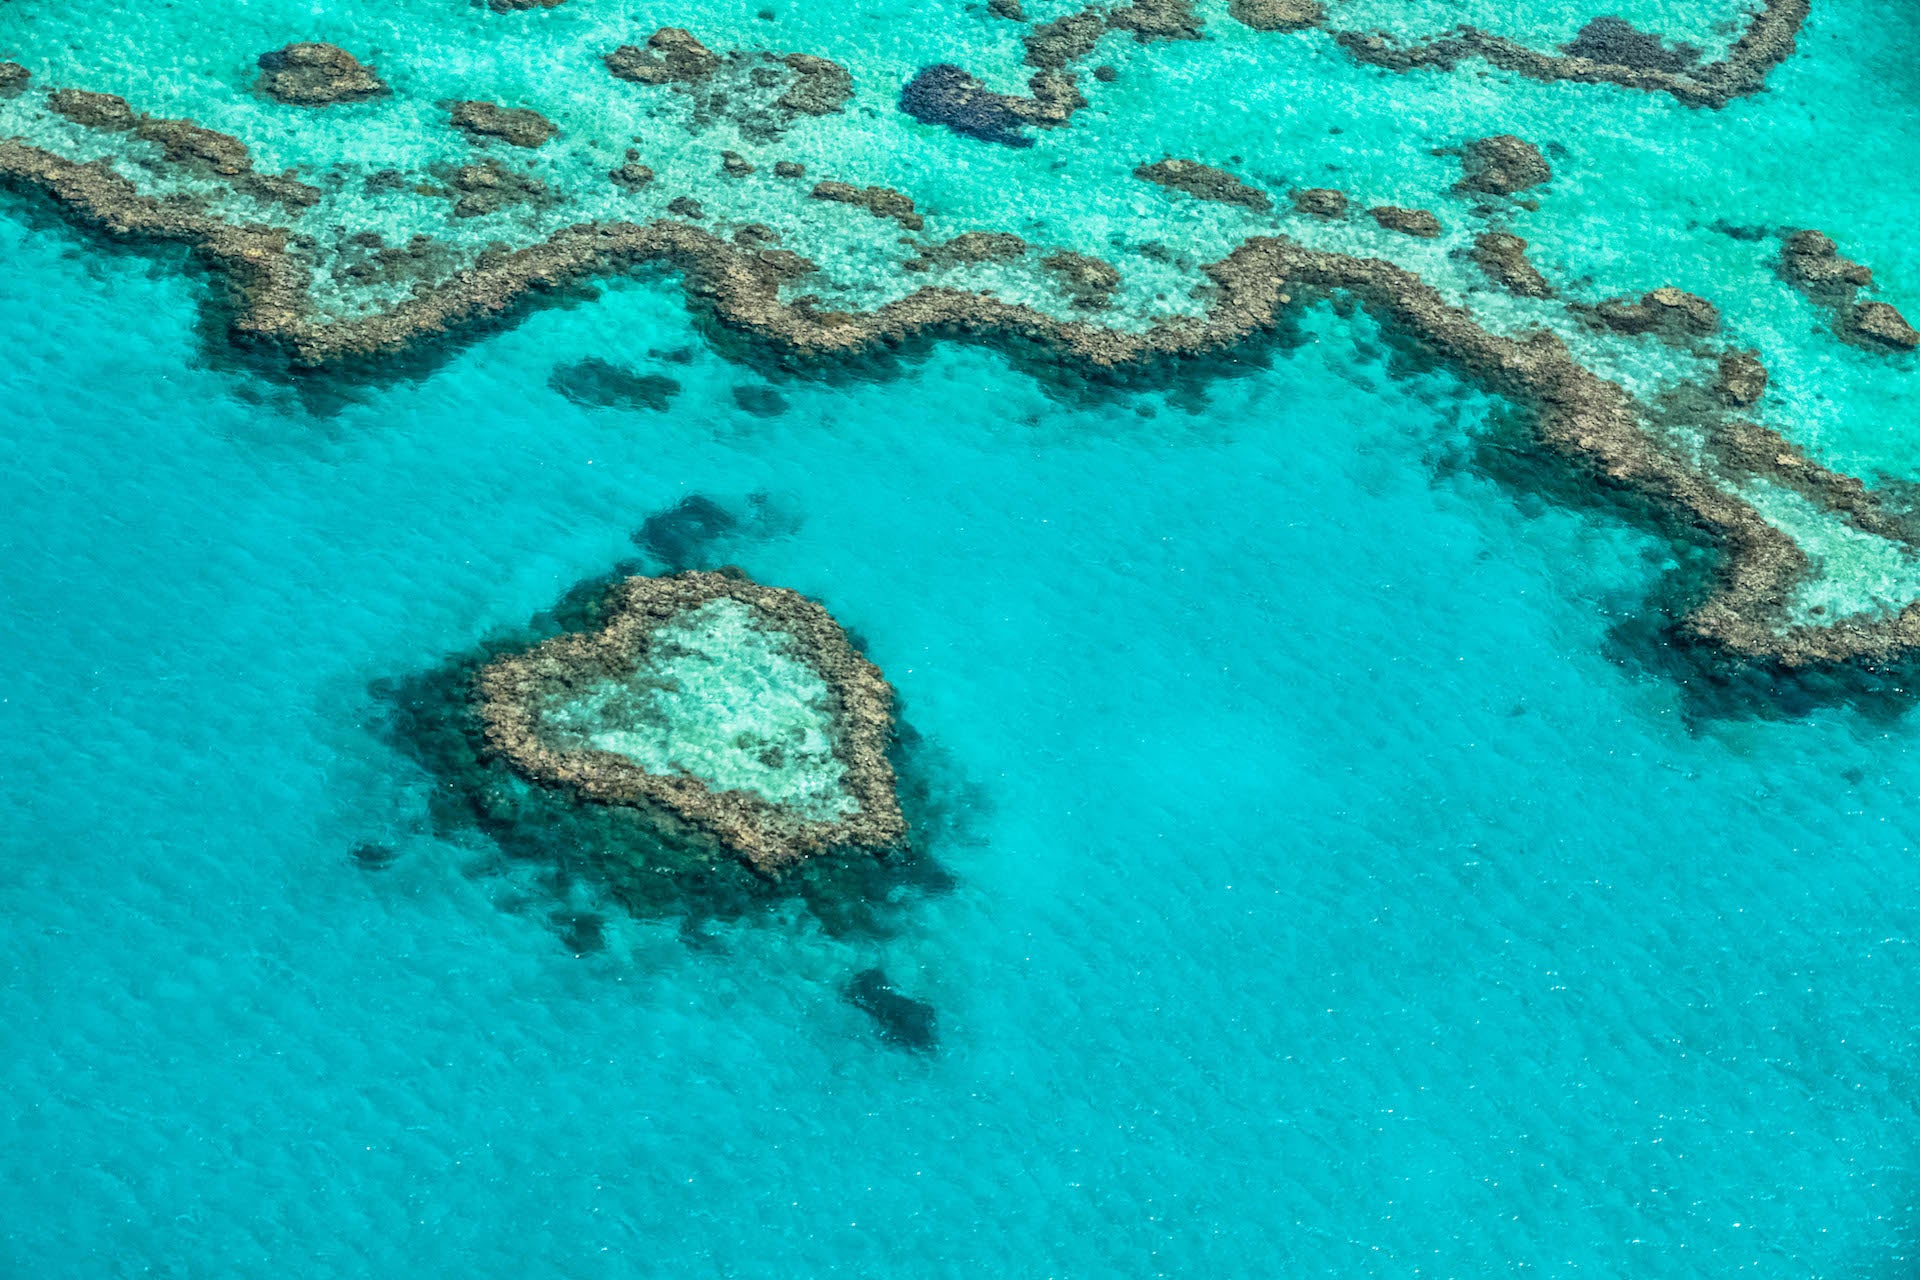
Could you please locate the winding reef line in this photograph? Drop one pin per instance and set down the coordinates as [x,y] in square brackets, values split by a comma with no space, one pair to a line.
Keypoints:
[1767,42]
[1576,413]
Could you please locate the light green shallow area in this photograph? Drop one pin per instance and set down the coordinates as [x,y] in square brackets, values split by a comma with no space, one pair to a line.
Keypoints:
[722,697]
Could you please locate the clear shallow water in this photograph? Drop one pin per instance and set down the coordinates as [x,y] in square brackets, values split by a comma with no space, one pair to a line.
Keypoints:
[1334,891]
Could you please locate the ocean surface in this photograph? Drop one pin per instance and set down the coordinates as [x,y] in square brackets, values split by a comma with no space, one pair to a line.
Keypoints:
[1333,876]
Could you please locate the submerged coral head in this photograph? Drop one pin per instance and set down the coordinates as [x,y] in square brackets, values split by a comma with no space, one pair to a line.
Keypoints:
[732,714]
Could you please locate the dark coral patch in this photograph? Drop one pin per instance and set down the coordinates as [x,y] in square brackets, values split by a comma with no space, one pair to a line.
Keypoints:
[901,1020]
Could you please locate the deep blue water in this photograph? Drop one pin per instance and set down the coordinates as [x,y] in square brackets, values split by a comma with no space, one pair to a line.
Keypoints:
[1337,887]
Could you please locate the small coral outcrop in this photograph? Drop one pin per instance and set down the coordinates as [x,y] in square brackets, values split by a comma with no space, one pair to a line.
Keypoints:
[518,126]
[1277,15]
[1617,43]
[1503,257]
[1813,264]
[1502,165]
[312,74]
[1327,203]
[881,202]
[1204,182]
[673,55]
[729,713]
[760,92]
[1408,222]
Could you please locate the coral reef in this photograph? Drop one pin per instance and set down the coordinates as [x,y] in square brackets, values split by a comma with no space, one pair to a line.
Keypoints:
[517,126]
[1156,20]
[1204,182]
[1321,202]
[1674,315]
[1503,257]
[312,74]
[488,187]
[1616,43]
[1502,165]
[881,202]
[13,79]
[672,56]
[1411,222]
[1878,323]
[1767,42]
[269,302]
[968,247]
[760,92]
[1740,379]
[945,95]
[1088,281]
[1278,15]
[182,142]
[631,175]
[1813,264]
[722,710]
[601,384]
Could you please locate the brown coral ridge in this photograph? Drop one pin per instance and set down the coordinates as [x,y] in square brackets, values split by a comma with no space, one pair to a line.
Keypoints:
[1603,57]
[13,79]
[1204,182]
[736,85]
[1813,264]
[510,692]
[516,126]
[313,74]
[1574,412]
[184,143]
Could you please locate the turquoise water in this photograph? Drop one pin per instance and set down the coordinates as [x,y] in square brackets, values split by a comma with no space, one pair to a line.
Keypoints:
[1339,879]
